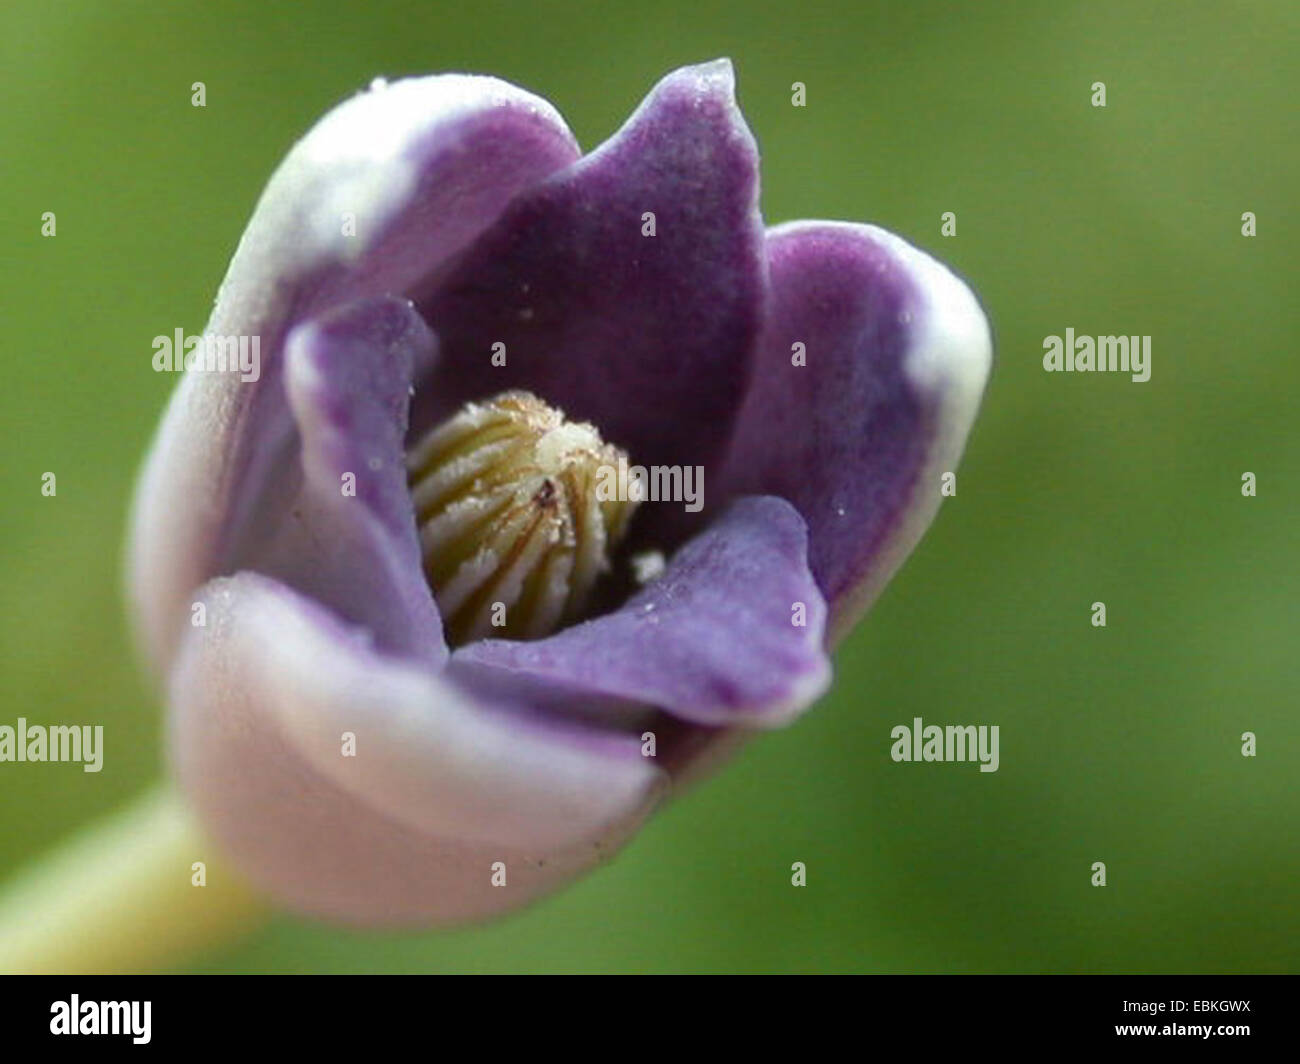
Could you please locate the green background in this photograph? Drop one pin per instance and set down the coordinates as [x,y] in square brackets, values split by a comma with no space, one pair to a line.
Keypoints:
[1120,745]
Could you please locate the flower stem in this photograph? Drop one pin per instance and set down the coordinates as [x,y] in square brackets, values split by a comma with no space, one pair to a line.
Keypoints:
[118,897]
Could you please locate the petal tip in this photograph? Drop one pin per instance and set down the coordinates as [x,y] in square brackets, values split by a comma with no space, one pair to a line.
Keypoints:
[953,353]
[702,83]
[717,73]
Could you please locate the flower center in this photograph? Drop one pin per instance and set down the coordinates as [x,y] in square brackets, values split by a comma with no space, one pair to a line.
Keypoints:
[513,533]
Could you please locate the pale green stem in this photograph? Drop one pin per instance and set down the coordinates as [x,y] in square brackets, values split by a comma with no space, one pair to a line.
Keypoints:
[120,896]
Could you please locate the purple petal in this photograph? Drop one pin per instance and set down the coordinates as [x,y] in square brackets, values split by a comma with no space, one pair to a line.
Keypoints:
[897,352]
[440,786]
[422,166]
[714,640]
[347,536]
[649,337]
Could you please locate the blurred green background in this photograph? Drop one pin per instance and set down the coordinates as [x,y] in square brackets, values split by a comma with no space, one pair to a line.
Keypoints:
[1120,745]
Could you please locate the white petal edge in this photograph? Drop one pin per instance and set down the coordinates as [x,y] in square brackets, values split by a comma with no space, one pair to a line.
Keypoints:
[948,363]
[427,755]
[356,154]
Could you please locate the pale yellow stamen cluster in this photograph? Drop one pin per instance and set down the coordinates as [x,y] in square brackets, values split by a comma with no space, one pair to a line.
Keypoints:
[512,531]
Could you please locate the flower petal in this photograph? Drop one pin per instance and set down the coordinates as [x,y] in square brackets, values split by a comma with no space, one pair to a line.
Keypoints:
[347,538]
[419,167]
[715,640]
[898,351]
[263,700]
[648,337]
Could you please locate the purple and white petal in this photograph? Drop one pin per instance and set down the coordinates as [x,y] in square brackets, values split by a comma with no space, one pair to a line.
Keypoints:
[264,700]
[648,337]
[897,352]
[732,632]
[416,169]
[344,530]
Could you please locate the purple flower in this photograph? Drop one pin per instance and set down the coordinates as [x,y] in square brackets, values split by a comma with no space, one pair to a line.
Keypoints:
[824,376]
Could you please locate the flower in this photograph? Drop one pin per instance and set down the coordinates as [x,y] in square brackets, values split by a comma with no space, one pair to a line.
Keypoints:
[823,375]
